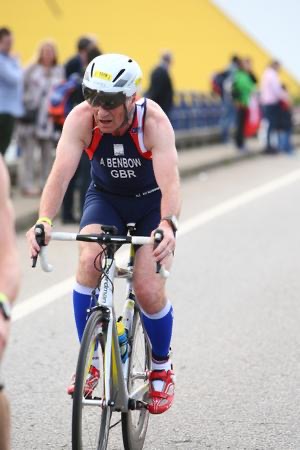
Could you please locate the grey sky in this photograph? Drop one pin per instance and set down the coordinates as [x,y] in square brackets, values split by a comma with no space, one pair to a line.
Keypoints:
[274,24]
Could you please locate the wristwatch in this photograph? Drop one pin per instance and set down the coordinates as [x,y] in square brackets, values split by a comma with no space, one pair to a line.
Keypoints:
[5,309]
[172,221]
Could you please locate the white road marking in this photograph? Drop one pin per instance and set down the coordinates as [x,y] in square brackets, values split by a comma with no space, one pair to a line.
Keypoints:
[42,299]
[63,288]
[237,201]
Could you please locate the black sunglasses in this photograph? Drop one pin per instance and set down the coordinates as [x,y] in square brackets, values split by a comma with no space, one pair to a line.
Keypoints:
[107,100]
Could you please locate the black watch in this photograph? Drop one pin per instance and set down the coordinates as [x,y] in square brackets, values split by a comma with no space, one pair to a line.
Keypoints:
[5,309]
[172,221]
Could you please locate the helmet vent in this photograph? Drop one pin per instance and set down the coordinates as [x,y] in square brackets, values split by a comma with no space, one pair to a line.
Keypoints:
[118,75]
[92,70]
[121,83]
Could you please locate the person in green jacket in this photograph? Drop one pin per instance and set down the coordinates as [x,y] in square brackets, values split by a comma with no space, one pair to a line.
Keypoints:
[242,88]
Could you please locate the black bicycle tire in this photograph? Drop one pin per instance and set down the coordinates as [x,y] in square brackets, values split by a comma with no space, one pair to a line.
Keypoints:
[94,321]
[131,439]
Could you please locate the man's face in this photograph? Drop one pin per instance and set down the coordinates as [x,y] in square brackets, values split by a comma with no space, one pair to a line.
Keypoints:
[6,43]
[110,120]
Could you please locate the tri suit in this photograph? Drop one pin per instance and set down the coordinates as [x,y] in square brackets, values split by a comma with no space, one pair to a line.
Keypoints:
[123,188]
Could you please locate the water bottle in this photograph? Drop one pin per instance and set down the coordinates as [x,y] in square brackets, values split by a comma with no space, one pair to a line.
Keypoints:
[128,312]
[123,339]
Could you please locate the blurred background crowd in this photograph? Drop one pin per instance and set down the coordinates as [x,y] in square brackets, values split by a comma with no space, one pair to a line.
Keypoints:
[36,97]
[34,102]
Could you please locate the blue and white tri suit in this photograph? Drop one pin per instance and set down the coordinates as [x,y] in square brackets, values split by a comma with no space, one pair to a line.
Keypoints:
[123,188]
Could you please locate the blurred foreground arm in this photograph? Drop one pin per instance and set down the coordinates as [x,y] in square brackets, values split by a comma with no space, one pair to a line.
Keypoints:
[9,260]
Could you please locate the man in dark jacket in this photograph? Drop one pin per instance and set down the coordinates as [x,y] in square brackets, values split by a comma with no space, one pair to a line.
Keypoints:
[77,64]
[161,88]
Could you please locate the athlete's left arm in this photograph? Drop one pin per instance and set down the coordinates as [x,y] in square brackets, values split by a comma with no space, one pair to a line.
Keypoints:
[164,157]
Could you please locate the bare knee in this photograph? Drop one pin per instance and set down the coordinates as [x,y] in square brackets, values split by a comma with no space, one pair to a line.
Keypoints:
[89,262]
[150,297]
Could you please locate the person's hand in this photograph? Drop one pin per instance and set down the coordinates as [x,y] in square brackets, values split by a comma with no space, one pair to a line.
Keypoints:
[167,245]
[4,333]
[34,247]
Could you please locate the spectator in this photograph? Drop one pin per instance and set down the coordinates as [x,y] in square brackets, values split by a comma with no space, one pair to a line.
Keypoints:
[253,116]
[36,129]
[249,69]
[161,87]
[9,286]
[271,93]
[285,122]
[224,82]
[92,53]
[10,89]
[77,64]
[242,88]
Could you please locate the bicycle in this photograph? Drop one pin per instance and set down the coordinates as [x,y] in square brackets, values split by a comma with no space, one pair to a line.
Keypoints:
[122,385]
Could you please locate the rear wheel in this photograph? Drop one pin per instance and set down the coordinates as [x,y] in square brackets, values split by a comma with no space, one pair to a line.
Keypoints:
[135,423]
[91,416]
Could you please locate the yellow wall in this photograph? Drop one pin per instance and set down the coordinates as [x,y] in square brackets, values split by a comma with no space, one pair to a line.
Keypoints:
[198,33]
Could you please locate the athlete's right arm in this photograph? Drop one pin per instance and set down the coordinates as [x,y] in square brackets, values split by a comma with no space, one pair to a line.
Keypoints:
[75,136]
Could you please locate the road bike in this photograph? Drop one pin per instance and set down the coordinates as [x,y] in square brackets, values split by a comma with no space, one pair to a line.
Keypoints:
[123,382]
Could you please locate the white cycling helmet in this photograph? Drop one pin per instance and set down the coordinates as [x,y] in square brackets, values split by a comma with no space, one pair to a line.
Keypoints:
[109,79]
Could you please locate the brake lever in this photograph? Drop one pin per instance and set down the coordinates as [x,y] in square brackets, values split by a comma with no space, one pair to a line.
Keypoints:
[39,230]
[158,237]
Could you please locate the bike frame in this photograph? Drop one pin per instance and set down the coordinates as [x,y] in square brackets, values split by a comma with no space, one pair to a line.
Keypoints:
[116,391]
[116,372]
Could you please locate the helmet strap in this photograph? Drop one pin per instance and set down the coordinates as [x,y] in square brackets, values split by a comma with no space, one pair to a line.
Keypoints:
[127,117]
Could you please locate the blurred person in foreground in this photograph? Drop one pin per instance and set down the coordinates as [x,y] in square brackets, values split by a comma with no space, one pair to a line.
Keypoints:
[134,179]
[9,285]
[271,93]
[86,51]
[242,88]
[161,87]
[11,76]
[36,128]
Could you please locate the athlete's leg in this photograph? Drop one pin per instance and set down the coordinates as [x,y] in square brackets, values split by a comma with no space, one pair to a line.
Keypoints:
[98,209]
[157,310]
[157,314]
[87,277]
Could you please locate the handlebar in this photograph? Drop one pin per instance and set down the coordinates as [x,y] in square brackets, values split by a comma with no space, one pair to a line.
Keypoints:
[102,238]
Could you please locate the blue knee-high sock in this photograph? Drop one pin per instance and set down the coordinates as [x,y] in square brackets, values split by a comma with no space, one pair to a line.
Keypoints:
[81,302]
[159,329]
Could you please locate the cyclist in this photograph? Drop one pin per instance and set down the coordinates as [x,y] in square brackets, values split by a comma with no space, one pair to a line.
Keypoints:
[9,284]
[131,147]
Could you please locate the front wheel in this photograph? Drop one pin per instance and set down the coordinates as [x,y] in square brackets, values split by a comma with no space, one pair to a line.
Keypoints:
[135,423]
[91,416]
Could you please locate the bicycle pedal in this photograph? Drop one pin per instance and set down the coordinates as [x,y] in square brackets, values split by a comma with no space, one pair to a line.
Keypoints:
[142,404]
[137,404]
